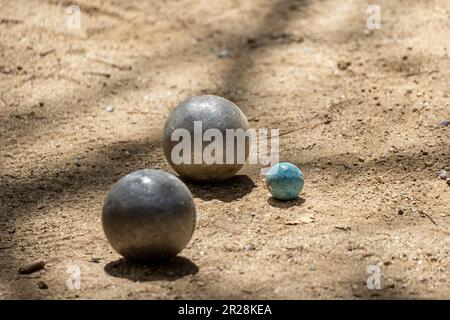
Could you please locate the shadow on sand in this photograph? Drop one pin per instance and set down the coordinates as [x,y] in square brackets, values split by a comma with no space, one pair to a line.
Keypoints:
[227,191]
[172,270]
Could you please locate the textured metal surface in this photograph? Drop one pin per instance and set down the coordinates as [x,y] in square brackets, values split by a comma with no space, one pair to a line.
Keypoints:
[285,181]
[214,112]
[149,215]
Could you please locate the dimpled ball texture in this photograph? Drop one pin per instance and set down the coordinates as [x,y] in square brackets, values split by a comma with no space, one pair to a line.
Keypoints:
[214,112]
[149,215]
[285,181]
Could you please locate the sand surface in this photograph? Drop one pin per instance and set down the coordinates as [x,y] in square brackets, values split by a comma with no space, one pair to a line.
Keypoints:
[359,109]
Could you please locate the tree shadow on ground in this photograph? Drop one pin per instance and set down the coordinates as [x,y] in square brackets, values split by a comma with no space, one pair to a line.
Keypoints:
[270,31]
[172,270]
[226,191]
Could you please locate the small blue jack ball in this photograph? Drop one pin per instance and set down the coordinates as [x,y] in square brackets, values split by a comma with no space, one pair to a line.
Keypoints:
[285,181]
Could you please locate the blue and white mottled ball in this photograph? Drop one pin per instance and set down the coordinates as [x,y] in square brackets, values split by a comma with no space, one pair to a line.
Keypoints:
[285,181]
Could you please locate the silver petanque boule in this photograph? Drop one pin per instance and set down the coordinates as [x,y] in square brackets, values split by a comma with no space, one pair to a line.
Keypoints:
[206,121]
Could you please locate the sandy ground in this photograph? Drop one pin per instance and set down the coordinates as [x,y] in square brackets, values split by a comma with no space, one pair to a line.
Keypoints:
[367,139]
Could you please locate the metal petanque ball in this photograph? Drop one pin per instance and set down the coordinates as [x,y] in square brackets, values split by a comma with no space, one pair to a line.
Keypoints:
[285,181]
[211,112]
[149,215]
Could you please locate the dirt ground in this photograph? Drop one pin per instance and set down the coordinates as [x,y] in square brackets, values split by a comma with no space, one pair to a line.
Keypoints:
[366,107]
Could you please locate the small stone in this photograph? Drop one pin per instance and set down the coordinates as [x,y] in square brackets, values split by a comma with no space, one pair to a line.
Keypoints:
[343,228]
[390,286]
[32,267]
[343,65]
[249,247]
[77,161]
[400,211]
[361,159]
[428,164]
[42,285]
[380,179]
[444,123]
[224,53]
[448,181]
[307,219]
[442,174]
[109,109]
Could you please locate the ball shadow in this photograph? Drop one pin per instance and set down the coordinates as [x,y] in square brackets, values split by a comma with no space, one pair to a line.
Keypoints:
[285,204]
[171,270]
[229,190]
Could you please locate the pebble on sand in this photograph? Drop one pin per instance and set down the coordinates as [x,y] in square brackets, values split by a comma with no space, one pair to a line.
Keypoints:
[95,260]
[249,247]
[77,161]
[224,53]
[380,179]
[32,267]
[442,174]
[109,109]
[343,65]
[444,123]
[42,285]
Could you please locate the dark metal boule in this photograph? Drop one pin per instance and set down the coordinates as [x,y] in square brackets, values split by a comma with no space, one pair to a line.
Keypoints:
[149,215]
